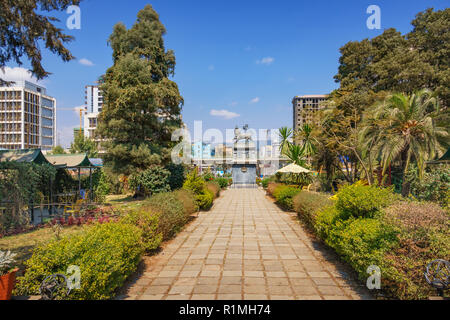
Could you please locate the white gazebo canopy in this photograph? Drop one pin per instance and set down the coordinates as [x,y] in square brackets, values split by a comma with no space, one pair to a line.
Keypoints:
[293,168]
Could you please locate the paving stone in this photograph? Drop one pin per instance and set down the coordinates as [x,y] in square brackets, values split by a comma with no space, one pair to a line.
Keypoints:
[304,297]
[203,297]
[280,290]
[330,290]
[257,274]
[177,297]
[231,280]
[304,290]
[281,297]
[230,288]
[277,281]
[232,273]
[151,297]
[229,297]
[244,247]
[152,290]
[250,297]
[255,288]
[205,289]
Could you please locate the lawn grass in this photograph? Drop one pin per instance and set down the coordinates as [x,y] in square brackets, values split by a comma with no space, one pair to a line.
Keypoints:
[23,244]
[123,202]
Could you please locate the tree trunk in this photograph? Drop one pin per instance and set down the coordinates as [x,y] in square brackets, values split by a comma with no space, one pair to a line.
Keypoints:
[406,186]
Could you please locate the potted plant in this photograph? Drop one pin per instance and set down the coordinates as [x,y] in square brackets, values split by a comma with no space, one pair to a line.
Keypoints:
[7,274]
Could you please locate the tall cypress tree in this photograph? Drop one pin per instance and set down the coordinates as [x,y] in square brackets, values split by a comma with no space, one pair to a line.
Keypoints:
[141,105]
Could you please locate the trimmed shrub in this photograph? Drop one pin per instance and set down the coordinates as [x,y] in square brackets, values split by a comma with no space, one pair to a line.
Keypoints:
[148,222]
[105,253]
[284,196]
[223,182]
[203,197]
[265,182]
[423,237]
[205,200]
[194,182]
[307,204]
[187,198]
[170,211]
[272,186]
[401,238]
[214,187]
[176,178]
[362,201]
[151,181]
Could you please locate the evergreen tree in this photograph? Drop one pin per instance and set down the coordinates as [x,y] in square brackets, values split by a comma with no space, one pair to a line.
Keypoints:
[21,27]
[57,150]
[81,144]
[141,105]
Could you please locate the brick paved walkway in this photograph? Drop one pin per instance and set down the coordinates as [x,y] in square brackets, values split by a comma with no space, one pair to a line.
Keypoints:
[244,248]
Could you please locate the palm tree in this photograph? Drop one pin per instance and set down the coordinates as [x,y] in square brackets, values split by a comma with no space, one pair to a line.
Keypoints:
[304,133]
[402,127]
[285,134]
[296,155]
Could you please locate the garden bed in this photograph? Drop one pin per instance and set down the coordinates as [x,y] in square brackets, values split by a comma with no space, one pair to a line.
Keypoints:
[108,251]
[371,226]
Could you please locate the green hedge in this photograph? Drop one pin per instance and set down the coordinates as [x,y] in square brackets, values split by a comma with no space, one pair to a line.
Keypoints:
[203,196]
[363,201]
[214,187]
[106,255]
[365,227]
[307,204]
[170,211]
[223,182]
[284,195]
[151,181]
[148,222]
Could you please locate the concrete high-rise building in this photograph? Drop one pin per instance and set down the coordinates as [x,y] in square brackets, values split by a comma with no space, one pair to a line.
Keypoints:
[27,117]
[94,105]
[304,108]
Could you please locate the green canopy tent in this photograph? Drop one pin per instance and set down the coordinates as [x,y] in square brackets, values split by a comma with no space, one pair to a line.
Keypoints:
[25,155]
[73,161]
[30,156]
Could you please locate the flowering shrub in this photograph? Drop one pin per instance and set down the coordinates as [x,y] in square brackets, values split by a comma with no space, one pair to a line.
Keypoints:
[223,182]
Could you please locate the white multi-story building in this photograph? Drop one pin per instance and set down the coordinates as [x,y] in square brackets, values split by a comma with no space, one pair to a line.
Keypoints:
[27,117]
[94,105]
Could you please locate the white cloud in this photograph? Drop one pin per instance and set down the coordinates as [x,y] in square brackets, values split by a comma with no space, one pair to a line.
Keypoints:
[86,62]
[211,67]
[255,100]
[233,104]
[77,110]
[266,61]
[17,74]
[224,114]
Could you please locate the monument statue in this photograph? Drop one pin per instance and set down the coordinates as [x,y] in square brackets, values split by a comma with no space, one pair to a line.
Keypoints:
[238,135]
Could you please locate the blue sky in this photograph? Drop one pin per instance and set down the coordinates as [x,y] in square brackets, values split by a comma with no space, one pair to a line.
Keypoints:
[249,58]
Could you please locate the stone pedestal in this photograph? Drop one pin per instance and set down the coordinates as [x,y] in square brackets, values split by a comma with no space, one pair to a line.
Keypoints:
[244,164]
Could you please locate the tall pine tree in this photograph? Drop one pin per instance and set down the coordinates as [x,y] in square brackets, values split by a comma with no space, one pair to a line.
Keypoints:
[141,105]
